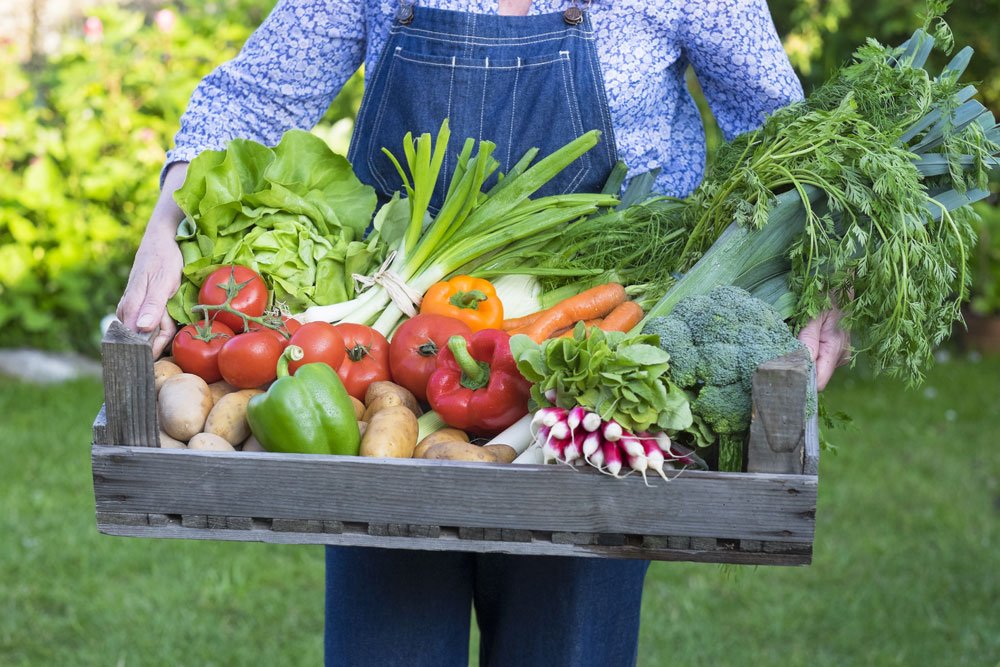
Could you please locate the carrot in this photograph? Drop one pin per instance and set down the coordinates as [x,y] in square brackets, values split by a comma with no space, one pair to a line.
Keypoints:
[625,316]
[519,322]
[595,302]
[568,332]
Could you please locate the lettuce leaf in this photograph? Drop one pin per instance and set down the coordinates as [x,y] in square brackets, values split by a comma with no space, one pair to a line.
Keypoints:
[295,213]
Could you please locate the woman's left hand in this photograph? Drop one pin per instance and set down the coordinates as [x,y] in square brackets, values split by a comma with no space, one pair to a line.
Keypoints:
[829,345]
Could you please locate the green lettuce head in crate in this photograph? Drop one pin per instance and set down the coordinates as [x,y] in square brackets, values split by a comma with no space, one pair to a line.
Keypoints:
[295,213]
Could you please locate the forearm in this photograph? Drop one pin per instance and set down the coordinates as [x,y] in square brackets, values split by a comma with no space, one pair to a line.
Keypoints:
[167,214]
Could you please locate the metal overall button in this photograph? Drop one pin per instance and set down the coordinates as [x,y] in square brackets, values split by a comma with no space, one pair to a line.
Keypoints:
[574,14]
[405,12]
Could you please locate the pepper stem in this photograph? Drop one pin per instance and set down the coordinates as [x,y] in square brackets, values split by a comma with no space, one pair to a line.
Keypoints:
[291,353]
[468,299]
[475,373]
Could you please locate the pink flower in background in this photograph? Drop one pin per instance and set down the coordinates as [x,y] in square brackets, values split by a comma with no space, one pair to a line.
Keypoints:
[165,20]
[93,29]
[146,134]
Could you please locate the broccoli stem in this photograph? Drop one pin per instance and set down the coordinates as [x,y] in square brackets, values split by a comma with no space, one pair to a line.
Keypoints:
[731,452]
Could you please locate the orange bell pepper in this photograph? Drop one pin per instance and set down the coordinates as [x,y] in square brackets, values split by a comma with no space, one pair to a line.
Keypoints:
[471,300]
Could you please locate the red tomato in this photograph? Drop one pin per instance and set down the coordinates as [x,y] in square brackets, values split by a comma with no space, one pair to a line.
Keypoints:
[250,359]
[367,358]
[319,342]
[198,351]
[414,348]
[250,299]
[291,325]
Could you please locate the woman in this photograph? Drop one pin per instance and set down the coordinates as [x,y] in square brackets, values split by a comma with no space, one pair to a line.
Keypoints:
[521,73]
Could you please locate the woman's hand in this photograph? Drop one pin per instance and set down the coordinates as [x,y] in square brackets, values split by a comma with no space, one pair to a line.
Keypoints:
[156,271]
[829,345]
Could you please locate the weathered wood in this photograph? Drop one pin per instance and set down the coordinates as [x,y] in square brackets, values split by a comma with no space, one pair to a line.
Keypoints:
[470,533]
[297,526]
[424,531]
[751,545]
[100,428]
[123,518]
[129,389]
[799,554]
[678,542]
[199,521]
[703,543]
[778,424]
[754,506]
[560,537]
[515,535]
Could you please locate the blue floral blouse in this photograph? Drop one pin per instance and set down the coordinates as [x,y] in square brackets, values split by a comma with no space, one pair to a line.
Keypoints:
[291,68]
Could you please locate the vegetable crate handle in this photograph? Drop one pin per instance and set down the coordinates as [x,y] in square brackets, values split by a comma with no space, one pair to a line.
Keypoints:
[129,388]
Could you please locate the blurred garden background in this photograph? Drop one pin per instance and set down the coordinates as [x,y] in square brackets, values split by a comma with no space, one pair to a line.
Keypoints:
[906,563]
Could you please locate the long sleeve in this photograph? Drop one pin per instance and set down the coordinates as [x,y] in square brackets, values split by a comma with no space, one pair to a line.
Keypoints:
[739,61]
[285,77]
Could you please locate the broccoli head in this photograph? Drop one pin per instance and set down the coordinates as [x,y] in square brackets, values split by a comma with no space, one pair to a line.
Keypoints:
[716,341]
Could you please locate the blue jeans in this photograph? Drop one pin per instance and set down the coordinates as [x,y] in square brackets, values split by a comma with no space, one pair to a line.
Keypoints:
[388,607]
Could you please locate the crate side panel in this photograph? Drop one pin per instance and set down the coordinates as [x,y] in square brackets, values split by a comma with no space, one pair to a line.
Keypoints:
[696,504]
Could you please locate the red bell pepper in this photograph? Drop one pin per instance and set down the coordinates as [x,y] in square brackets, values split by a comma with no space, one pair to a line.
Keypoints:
[476,386]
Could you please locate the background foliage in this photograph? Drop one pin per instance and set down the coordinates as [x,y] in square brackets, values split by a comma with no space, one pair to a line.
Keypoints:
[83,131]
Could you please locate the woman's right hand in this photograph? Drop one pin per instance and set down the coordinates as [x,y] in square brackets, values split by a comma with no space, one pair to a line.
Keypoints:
[156,270]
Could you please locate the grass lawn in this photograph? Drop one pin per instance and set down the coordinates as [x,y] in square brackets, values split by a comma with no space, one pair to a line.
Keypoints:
[906,568]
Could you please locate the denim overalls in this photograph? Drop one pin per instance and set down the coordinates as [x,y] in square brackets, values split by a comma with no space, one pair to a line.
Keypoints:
[518,81]
[521,82]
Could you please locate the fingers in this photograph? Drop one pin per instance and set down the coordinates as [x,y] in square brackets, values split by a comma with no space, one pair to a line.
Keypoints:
[131,301]
[165,335]
[809,336]
[826,363]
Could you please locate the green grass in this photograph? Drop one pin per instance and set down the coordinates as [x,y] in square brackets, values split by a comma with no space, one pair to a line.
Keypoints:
[905,569]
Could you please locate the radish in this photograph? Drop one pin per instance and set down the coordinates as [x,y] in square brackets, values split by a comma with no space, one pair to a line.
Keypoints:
[574,449]
[560,430]
[554,449]
[612,431]
[639,464]
[591,422]
[632,445]
[591,445]
[654,457]
[575,416]
[547,417]
[597,458]
[612,458]
[550,396]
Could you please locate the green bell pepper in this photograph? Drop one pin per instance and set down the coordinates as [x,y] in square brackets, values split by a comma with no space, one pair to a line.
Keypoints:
[308,413]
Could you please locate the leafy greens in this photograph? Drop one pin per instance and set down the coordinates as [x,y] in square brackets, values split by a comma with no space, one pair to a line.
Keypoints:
[295,213]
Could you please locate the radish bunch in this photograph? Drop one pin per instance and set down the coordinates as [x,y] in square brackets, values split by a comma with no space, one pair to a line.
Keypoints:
[579,436]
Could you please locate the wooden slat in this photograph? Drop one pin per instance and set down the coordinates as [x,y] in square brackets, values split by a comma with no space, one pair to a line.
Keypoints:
[800,554]
[778,425]
[100,428]
[129,390]
[414,492]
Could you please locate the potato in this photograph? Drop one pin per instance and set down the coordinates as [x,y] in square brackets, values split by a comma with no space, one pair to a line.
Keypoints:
[210,442]
[456,450]
[220,389]
[184,404]
[444,435]
[383,394]
[166,442]
[392,432]
[163,369]
[503,453]
[359,408]
[251,444]
[228,419]
[362,427]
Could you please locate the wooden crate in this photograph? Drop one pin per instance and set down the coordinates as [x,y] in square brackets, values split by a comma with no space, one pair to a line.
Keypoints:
[765,516]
